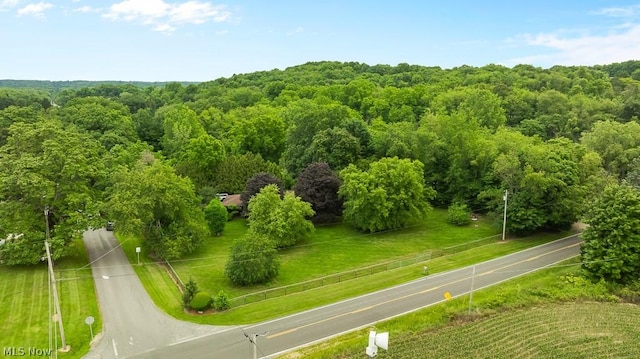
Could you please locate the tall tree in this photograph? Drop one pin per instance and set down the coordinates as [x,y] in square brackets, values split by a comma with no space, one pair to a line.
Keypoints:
[390,195]
[255,184]
[235,170]
[319,186]
[153,202]
[336,146]
[618,144]
[180,125]
[47,168]
[199,158]
[106,120]
[216,215]
[259,129]
[611,248]
[305,119]
[284,221]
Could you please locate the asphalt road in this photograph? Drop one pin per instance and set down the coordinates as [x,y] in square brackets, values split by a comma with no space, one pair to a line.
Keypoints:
[132,322]
[285,334]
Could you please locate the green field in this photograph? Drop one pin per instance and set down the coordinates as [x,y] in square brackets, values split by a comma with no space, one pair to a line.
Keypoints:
[25,309]
[552,313]
[332,249]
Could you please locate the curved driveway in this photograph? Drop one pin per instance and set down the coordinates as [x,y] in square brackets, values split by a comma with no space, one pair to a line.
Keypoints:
[288,333]
[132,324]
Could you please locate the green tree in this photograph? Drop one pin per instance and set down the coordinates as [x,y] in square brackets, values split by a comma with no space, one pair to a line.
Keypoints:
[259,129]
[153,202]
[148,127]
[545,181]
[180,125]
[13,114]
[390,195]
[235,170]
[336,146]
[216,215]
[45,166]
[199,158]
[611,248]
[282,220]
[106,120]
[305,119]
[253,260]
[255,184]
[616,143]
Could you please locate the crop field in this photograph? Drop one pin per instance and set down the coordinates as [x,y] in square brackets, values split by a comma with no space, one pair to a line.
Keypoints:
[25,309]
[571,330]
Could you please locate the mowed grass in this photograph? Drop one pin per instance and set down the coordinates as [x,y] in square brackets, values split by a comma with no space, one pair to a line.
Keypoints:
[25,312]
[552,313]
[333,249]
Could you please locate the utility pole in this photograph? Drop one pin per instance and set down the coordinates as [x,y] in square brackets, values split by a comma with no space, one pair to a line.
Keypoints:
[504,221]
[253,338]
[473,277]
[56,302]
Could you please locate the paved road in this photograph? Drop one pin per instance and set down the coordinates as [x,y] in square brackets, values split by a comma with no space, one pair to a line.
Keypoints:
[301,329]
[132,322]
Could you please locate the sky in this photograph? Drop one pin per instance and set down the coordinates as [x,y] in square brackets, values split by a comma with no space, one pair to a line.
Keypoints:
[200,40]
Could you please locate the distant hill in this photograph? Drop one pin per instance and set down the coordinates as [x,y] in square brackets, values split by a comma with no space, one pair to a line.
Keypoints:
[55,86]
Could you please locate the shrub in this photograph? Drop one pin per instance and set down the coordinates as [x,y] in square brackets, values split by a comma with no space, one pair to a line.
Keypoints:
[201,301]
[253,260]
[216,215]
[221,301]
[233,210]
[190,289]
[459,214]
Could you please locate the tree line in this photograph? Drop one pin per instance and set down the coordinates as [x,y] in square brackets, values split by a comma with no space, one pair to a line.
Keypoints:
[384,142]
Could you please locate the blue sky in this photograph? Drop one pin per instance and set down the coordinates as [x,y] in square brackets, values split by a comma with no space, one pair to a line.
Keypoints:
[200,40]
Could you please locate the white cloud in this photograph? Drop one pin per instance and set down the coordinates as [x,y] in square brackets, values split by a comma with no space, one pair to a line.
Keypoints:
[626,11]
[86,9]
[298,30]
[36,10]
[164,28]
[7,4]
[163,16]
[197,13]
[617,43]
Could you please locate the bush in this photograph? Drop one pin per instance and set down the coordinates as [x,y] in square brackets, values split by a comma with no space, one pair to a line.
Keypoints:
[201,301]
[253,260]
[221,301]
[233,210]
[459,214]
[190,289]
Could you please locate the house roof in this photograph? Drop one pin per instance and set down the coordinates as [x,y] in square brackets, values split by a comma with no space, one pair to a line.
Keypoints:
[232,200]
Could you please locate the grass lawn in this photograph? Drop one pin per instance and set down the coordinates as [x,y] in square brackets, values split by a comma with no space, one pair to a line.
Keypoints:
[332,249]
[24,313]
[553,313]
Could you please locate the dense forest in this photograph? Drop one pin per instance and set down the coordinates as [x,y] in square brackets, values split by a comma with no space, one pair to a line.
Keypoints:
[397,140]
